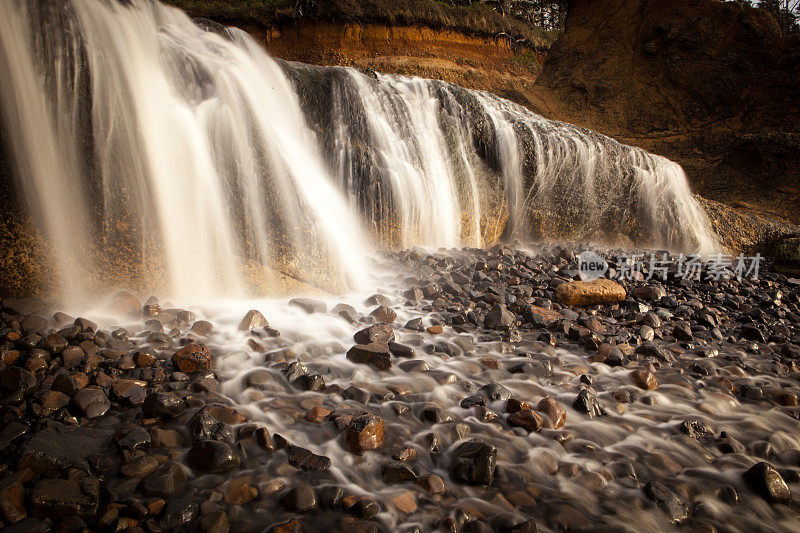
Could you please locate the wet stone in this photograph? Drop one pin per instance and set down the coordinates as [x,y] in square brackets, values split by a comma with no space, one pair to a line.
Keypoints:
[673,505]
[365,433]
[92,402]
[163,405]
[499,317]
[12,500]
[555,414]
[203,327]
[474,463]
[58,447]
[17,379]
[527,419]
[417,365]
[56,498]
[397,472]
[472,401]
[212,456]
[765,481]
[401,350]
[310,382]
[379,333]
[139,467]
[300,499]
[586,402]
[362,506]
[495,392]
[178,513]
[192,358]
[644,379]
[215,523]
[375,354]
[252,320]
[307,460]
[682,332]
[384,314]
[696,428]
[356,394]
[204,426]
[431,484]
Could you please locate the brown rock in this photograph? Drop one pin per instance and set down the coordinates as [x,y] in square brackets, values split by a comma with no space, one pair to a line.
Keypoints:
[384,314]
[93,402]
[644,379]
[431,483]
[555,414]
[72,356]
[405,502]
[382,333]
[291,526]
[55,498]
[227,415]
[203,327]
[144,359]
[139,467]
[155,506]
[54,400]
[406,454]
[514,405]
[374,354]
[548,314]
[12,500]
[598,292]
[192,358]
[252,320]
[364,433]
[527,419]
[489,362]
[306,459]
[239,493]
[317,414]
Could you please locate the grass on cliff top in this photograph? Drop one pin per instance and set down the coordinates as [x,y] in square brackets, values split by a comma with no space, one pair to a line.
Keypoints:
[477,19]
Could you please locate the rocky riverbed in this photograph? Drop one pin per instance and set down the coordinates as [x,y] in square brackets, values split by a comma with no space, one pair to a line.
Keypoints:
[465,391]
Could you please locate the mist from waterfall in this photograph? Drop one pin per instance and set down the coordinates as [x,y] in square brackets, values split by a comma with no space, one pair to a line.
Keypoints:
[146,142]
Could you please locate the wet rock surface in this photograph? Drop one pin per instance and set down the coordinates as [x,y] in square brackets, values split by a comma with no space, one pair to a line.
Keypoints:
[462,396]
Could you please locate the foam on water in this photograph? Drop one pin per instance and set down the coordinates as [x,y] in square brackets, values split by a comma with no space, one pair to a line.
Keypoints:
[643,433]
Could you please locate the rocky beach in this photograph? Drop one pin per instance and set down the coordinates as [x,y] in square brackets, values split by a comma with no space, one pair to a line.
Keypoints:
[466,390]
[380,266]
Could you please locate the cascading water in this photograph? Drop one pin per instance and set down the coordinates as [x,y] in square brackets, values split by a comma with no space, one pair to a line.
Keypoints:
[199,144]
[146,143]
[413,151]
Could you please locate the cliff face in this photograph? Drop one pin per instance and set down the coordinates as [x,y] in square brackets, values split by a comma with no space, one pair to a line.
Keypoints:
[472,61]
[711,85]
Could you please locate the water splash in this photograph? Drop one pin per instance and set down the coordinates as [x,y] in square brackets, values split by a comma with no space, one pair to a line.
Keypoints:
[415,151]
[200,149]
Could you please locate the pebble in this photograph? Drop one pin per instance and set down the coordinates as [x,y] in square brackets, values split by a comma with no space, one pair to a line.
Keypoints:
[365,433]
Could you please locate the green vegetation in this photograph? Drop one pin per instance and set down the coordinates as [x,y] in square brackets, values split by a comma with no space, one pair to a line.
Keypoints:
[478,18]
[528,60]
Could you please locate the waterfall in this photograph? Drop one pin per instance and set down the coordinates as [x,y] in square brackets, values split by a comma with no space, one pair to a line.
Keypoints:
[182,158]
